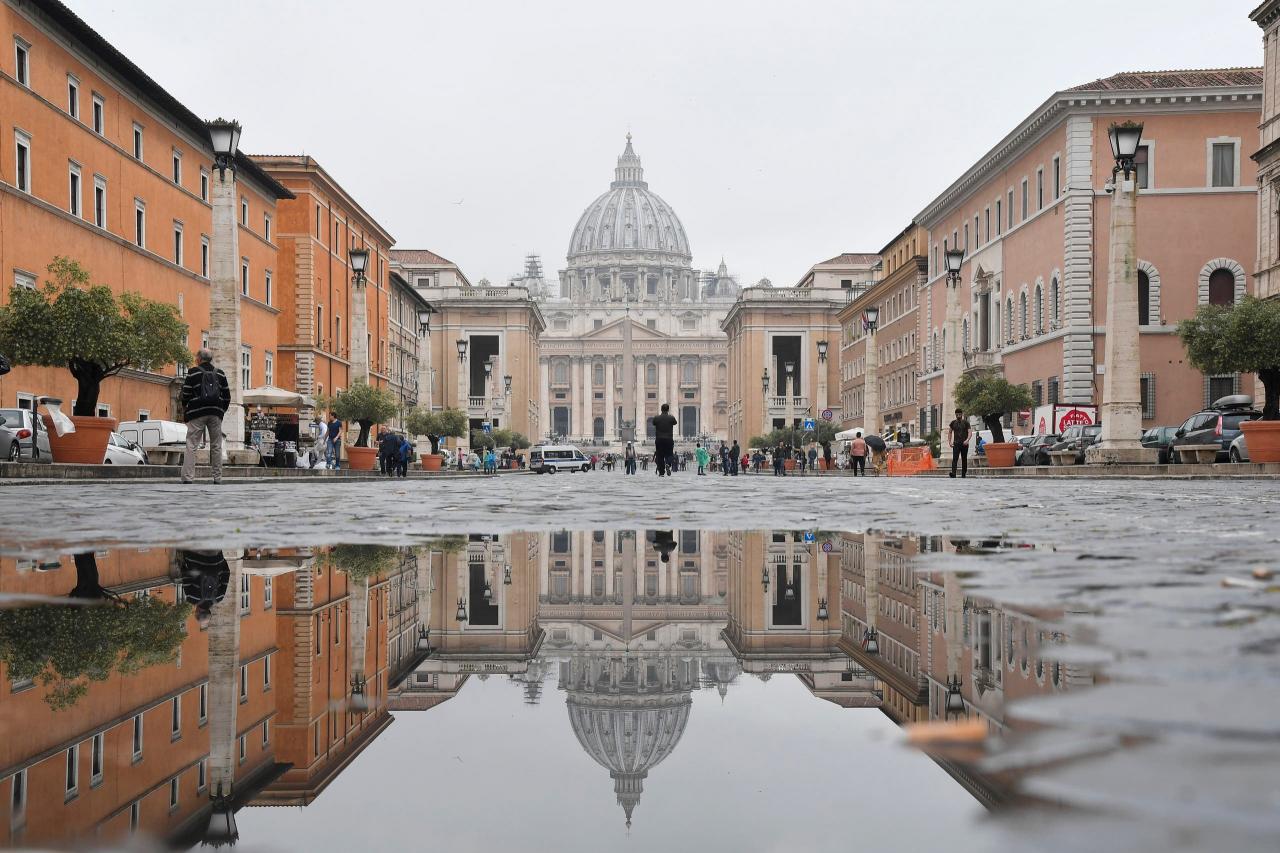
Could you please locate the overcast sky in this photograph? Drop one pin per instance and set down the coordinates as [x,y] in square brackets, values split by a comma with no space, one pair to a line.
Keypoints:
[781,133]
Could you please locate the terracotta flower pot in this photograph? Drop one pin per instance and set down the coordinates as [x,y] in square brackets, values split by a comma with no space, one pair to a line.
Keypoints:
[362,458]
[1263,440]
[432,461]
[87,445]
[789,464]
[1000,454]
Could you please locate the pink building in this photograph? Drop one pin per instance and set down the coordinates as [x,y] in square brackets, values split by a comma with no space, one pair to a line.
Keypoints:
[1033,215]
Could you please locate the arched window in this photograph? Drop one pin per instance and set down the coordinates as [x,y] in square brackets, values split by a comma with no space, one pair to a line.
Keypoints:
[1222,287]
[1144,298]
[689,372]
[721,372]
[1053,299]
[1008,320]
[964,333]
[562,371]
[1039,316]
[1022,313]
[651,374]
[996,308]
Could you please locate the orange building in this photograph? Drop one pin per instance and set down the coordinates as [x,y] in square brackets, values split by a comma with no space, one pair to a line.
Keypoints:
[104,166]
[319,225]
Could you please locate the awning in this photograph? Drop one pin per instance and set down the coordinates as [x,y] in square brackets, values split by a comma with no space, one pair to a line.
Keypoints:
[271,396]
[849,434]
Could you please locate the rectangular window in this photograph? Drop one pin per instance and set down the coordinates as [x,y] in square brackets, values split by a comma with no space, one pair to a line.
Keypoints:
[999,221]
[73,96]
[177,243]
[204,256]
[1040,188]
[986,233]
[137,737]
[27,280]
[22,61]
[177,167]
[966,238]
[244,276]
[317,222]
[1009,221]
[202,774]
[266,733]
[977,235]
[18,799]
[99,114]
[1148,383]
[268,377]
[266,280]
[242,749]
[1057,177]
[204,184]
[22,155]
[97,748]
[244,683]
[266,673]
[204,703]
[244,211]
[173,793]
[175,716]
[100,201]
[245,597]
[1026,190]
[140,223]
[1053,390]
[135,816]
[1142,166]
[73,190]
[1224,164]
[137,141]
[266,227]
[73,769]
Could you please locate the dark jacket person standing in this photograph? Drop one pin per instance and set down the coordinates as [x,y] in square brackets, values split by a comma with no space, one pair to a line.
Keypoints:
[205,399]
[958,438]
[664,439]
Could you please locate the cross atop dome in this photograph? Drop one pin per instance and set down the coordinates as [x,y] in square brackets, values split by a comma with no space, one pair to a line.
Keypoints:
[629,173]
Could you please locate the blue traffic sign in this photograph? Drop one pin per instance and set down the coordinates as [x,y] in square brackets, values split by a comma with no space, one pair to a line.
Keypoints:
[810,424]
[809,536]
[488,427]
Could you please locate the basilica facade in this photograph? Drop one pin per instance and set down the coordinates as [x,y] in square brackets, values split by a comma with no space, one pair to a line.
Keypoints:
[632,320]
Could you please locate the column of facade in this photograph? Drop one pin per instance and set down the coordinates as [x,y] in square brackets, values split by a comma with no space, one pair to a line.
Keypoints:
[588,388]
[662,382]
[575,564]
[610,426]
[544,405]
[707,399]
[641,396]
[544,563]
[608,562]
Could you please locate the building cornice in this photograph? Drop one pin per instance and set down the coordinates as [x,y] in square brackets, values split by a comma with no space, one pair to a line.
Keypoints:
[1063,104]
[305,168]
[1266,14]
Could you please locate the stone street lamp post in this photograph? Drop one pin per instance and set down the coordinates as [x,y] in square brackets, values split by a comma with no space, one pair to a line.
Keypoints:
[224,296]
[1121,411]
[821,403]
[359,325]
[789,389]
[951,356]
[764,383]
[464,403]
[871,383]
[425,378]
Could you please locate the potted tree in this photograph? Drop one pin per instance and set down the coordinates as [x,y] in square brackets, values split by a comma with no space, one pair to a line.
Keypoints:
[435,426]
[1244,338]
[94,334]
[990,396]
[366,405]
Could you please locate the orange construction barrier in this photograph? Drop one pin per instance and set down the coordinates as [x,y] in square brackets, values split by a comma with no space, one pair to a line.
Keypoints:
[905,461]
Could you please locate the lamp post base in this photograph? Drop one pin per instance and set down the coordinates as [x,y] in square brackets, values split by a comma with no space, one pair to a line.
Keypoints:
[1121,453]
[233,427]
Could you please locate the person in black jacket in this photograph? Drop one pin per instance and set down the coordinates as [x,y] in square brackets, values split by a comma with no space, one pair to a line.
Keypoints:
[205,575]
[205,399]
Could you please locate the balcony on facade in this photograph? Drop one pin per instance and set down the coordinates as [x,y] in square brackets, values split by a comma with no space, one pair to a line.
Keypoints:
[784,406]
[975,360]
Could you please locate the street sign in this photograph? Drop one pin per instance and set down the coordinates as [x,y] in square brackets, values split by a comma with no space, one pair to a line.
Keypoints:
[488,427]
[826,547]
[809,536]
[810,424]
[827,414]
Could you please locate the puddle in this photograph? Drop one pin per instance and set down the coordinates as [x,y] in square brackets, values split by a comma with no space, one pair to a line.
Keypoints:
[581,690]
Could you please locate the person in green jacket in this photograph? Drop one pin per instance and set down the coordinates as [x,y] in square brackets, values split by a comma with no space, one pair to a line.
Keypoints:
[703,458]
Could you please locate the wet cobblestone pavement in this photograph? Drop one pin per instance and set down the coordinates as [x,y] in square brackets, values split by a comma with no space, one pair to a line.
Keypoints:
[1167,591]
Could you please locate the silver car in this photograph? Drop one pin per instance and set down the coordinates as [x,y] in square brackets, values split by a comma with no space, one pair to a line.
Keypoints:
[1239,451]
[23,436]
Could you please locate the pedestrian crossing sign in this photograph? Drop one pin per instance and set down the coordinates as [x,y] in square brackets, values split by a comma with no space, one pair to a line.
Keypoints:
[810,424]
[488,427]
[809,537]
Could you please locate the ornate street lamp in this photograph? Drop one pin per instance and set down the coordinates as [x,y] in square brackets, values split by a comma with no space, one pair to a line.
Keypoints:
[506,383]
[955,260]
[871,641]
[462,610]
[424,321]
[822,610]
[822,351]
[764,381]
[224,134]
[1125,138]
[955,700]
[871,318]
[488,591]
[462,349]
[488,370]
[359,264]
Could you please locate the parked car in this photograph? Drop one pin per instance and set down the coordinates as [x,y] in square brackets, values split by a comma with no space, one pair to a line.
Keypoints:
[1036,450]
[1219,424]
[1239,451]
[1079,438]
[23,436]
[1161,439]
[122,451]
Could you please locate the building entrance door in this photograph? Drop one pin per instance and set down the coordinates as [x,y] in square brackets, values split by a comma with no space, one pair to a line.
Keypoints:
[560,420]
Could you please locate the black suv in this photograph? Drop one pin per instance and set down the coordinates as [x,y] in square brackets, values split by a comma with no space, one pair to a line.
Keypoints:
[1219,424]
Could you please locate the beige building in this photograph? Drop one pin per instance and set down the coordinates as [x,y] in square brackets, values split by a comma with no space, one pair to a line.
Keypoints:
[784,347]
[471,327]
[631,319]
[903,270]
[1266,274]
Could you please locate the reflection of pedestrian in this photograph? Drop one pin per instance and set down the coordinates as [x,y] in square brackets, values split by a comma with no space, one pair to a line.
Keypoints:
[205,575]
[664,543]
[958,438]
[87,583]
[664,441]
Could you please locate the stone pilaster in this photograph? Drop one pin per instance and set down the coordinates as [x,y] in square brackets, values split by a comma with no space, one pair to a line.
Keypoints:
[224,301]
[1077,273]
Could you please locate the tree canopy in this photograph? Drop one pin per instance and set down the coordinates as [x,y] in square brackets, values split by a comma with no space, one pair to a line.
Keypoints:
[499,438]
[990,396]
[1244,338]
[796,436]
[86,328]
[64,647]
[363,404]
[436,424]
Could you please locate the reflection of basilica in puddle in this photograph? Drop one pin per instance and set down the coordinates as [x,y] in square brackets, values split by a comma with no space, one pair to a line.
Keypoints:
[293,662]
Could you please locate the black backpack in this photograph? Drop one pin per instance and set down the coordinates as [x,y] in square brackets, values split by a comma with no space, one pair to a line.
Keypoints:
[210,393]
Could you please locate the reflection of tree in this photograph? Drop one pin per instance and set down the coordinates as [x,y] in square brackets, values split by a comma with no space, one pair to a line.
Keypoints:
[66,647]
[365,561]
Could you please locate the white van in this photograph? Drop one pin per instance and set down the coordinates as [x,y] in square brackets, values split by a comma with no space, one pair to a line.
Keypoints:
[155,434]
[551,458]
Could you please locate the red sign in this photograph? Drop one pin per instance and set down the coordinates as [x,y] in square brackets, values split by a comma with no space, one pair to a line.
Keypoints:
[1074,417]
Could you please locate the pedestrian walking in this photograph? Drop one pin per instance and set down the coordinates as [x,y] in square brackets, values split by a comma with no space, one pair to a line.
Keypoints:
[388,452]
[629,459]
[813,459]
[779,460]
[958,438]
[735,454]
[703,458]
[333,442]
[664,440]
[406,456]
[858,455]
[205,399]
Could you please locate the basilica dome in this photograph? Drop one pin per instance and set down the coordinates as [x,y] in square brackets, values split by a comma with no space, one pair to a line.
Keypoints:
[629,218]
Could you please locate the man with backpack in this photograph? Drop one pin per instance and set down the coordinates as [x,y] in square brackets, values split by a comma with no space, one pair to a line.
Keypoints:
[205,399]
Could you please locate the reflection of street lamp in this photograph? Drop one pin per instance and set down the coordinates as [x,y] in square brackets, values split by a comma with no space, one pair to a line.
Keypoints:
[506,575]
[424,639]
[822,609]
[764,578]
[462,610]
[871,641]
[955,700]
[488,591]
